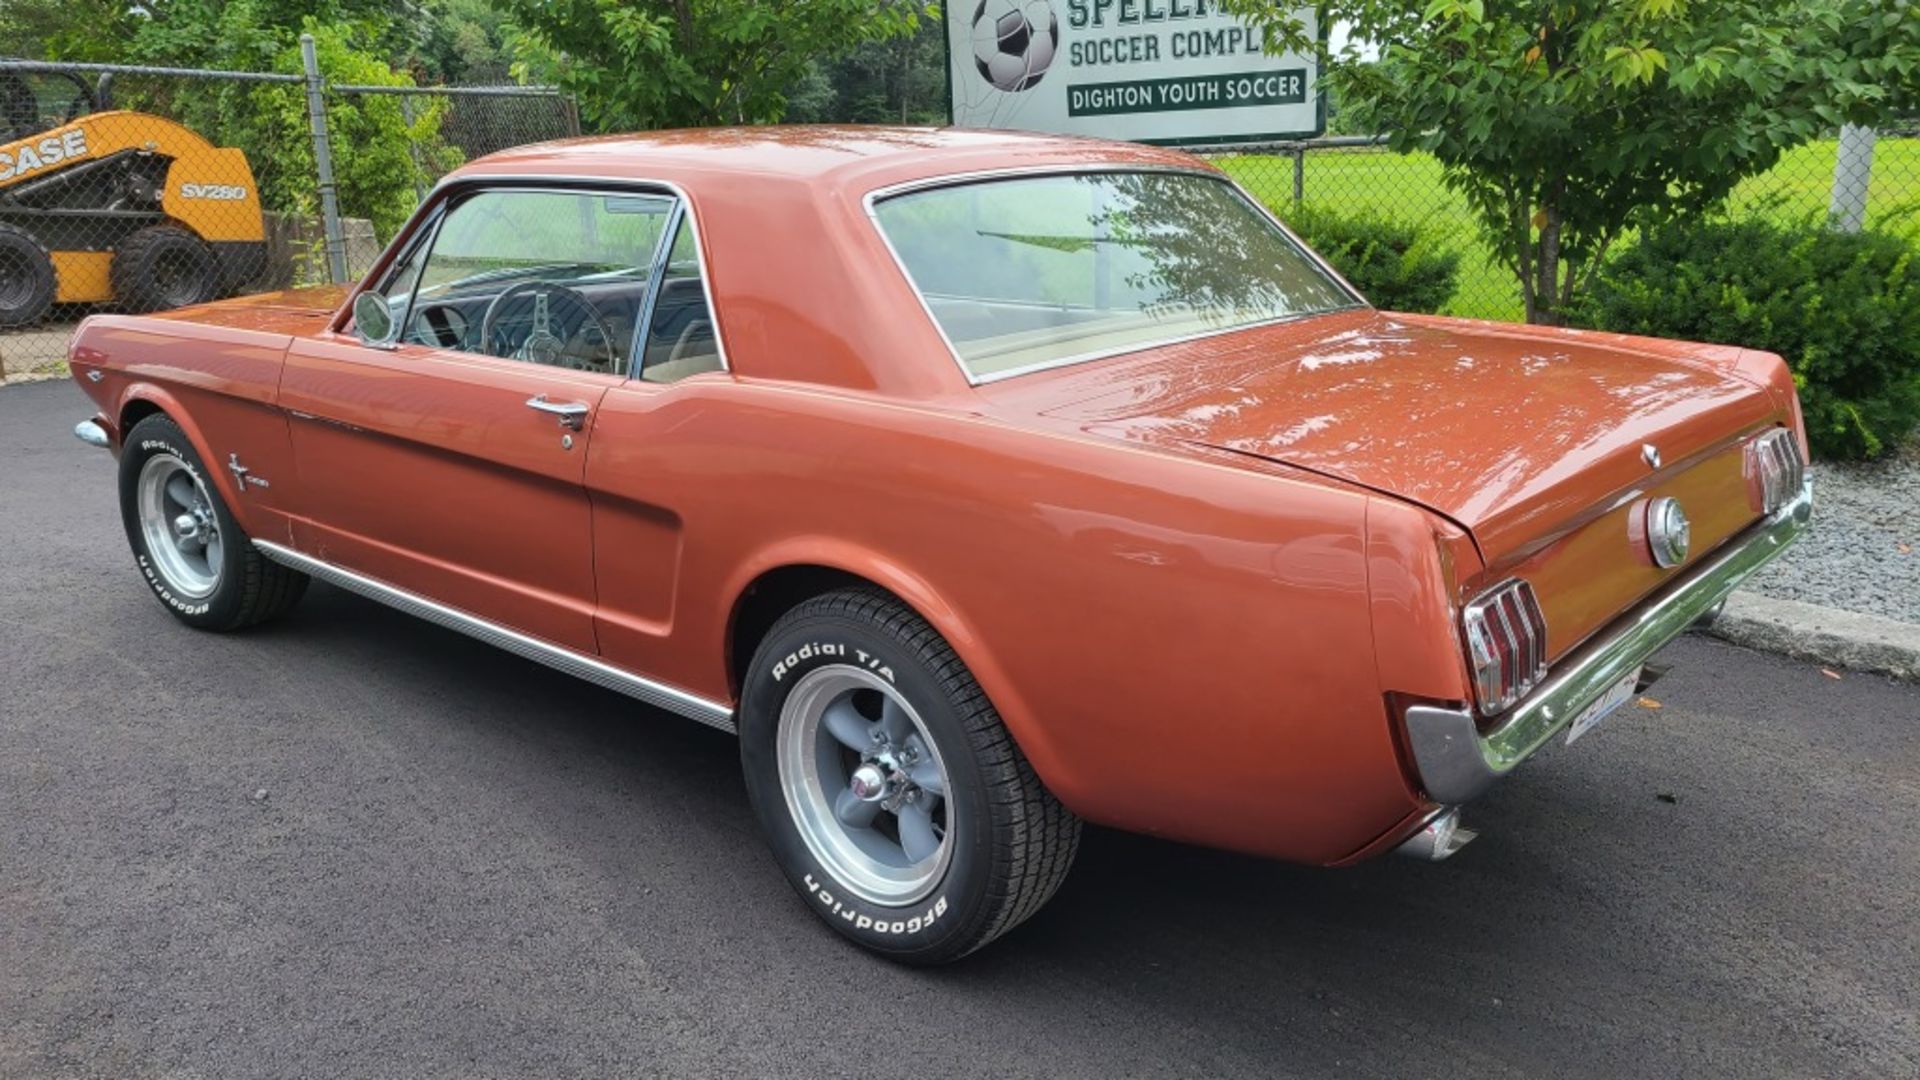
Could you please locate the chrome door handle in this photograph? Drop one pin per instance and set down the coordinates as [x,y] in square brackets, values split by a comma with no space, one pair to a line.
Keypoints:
[572,414]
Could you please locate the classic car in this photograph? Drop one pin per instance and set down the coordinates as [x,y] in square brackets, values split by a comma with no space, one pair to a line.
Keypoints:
[983,483]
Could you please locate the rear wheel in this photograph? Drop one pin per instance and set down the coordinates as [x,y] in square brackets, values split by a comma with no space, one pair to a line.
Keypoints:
[188,546]
[27,281]
[892,795]
[162,267]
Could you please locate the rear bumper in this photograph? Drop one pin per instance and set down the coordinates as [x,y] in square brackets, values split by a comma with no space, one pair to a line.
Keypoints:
[1457,762]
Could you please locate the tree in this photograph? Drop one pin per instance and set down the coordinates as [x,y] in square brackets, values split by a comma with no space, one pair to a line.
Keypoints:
[1568,122]
[903,81]
[685,63]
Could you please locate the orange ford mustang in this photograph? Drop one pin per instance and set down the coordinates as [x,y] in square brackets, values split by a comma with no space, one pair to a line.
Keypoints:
[984,483]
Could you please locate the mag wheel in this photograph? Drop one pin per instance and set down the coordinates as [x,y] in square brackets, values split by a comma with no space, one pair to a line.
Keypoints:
[189,547]
[864,784]
[178,525]
[890,792]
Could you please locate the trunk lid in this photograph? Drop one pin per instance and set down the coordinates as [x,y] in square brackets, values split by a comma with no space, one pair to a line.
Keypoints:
[1509,431]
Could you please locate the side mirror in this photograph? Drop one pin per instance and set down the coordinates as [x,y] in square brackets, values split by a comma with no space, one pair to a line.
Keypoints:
[373,320]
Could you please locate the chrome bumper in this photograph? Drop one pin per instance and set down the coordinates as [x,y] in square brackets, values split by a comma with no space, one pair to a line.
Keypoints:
[92,434]
[1456,762]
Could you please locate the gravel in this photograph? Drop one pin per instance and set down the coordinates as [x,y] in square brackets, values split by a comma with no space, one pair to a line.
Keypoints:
[1863,551]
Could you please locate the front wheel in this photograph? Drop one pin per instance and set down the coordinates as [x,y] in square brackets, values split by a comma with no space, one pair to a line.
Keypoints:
[892,795]
[186,541]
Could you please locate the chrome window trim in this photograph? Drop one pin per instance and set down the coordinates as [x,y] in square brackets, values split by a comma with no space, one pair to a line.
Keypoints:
[560,182]
[655,281]
[592,669]
[873,198]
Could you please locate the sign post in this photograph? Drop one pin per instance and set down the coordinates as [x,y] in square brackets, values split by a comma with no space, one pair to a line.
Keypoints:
[1160,71]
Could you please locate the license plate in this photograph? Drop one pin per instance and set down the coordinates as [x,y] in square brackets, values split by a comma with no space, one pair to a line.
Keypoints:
[1616,696]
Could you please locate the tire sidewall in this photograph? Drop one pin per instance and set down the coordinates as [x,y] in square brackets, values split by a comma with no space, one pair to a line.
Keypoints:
[137,260]
[41,278]
[933,924]
[159,435]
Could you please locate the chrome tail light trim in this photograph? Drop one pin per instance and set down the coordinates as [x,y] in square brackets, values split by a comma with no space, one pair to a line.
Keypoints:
[1774,470]
[1508,614]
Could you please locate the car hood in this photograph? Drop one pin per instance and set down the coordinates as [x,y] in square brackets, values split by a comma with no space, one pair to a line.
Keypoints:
[1506,430]
[290,311]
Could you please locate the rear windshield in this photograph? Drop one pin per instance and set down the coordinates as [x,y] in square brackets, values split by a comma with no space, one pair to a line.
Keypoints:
[1034,272]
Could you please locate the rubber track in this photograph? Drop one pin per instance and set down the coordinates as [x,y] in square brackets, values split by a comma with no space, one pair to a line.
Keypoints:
[1035,836]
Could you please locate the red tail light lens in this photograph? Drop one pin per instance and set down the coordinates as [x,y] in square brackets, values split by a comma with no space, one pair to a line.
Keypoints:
[1773,470]
[1506,644]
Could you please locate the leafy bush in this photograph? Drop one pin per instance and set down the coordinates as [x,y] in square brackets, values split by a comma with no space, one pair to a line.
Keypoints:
[1842,308]
[1393,264]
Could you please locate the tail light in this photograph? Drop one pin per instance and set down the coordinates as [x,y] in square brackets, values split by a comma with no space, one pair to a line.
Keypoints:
[1773,470]
[1506,644]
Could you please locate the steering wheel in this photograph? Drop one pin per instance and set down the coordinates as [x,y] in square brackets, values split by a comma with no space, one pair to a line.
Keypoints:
[542,345]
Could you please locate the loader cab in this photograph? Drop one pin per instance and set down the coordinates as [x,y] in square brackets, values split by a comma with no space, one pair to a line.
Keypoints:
[36,101]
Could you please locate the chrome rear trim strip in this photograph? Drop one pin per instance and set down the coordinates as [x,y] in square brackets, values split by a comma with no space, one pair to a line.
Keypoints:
[579,665]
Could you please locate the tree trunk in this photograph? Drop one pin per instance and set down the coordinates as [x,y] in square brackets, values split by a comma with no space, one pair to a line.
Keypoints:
[1545,309]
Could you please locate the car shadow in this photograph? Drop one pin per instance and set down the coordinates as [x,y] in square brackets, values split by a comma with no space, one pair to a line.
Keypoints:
[1224,959]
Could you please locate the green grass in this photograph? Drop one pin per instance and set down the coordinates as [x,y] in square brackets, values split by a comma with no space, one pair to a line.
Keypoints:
[1408,187]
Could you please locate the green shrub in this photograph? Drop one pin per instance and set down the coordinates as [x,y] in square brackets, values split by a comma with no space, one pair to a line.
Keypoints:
[1842,308]
[1393,264]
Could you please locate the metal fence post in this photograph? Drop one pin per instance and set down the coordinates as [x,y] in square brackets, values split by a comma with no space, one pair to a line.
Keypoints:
[413,148]
[1852,175]
[323,163]
[1299,174]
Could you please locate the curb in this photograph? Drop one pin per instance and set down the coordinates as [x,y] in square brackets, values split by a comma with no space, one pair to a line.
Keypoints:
[1827,635]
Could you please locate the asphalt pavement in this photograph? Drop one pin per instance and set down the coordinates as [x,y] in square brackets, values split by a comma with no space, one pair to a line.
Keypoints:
[351,844]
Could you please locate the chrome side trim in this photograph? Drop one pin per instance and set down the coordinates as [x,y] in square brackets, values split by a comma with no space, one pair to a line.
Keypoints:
[92,434]
[579,665]
[1456,762]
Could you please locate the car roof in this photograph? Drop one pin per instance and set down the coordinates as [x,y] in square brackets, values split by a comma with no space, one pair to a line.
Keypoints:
[857,158]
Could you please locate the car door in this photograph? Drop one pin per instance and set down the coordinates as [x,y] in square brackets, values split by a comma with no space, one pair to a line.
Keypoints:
[451,462]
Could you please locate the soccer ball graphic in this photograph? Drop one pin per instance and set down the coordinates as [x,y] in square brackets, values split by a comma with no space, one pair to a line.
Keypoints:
[1014,42]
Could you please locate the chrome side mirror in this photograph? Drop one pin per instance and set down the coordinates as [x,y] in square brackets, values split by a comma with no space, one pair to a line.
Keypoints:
[373,320]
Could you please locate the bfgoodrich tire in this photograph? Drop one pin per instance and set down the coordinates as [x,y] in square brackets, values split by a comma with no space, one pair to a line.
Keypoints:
[189,548]
[889,790]
[163,267]
[27,280]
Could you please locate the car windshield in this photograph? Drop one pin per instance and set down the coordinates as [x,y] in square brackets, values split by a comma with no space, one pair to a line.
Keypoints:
[1033,272]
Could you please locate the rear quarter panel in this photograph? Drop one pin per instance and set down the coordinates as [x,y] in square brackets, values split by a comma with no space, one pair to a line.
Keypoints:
[1181,648]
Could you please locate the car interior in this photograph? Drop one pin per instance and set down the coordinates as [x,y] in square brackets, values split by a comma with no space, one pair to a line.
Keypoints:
[579,315]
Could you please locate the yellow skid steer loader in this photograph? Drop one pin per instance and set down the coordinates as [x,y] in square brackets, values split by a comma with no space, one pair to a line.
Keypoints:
[122,207]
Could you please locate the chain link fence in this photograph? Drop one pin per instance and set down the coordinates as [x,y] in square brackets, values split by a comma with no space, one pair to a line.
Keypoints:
[1358,174]
[142,188]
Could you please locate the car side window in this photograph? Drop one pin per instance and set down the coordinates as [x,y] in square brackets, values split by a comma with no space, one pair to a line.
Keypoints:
[546,277]
[681,339]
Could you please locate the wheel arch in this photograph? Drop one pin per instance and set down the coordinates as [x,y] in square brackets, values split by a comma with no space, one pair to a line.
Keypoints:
[791,573]
[143,400]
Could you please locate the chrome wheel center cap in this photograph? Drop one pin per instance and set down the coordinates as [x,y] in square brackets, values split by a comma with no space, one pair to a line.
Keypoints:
[187,526]
[868,783]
